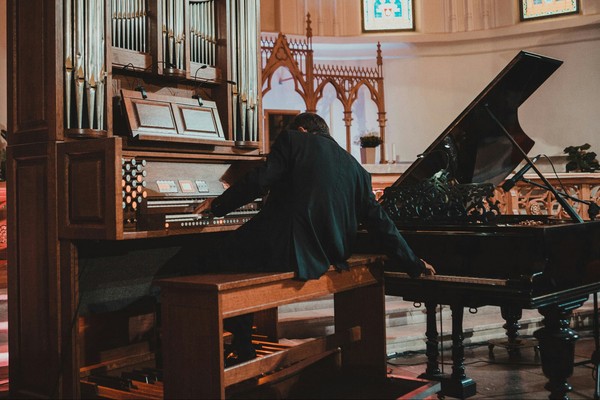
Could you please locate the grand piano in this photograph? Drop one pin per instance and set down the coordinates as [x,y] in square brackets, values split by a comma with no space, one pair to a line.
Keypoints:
[445,208]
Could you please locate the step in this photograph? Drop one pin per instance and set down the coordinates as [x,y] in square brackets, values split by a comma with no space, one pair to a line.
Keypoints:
[406,324]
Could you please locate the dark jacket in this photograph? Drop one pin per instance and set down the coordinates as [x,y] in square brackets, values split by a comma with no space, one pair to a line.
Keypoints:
[318,194]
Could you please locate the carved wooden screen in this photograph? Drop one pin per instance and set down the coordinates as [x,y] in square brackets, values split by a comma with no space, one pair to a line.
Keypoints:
[310,80]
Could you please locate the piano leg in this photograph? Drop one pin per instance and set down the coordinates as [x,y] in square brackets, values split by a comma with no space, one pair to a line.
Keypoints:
[456,385]
[433,366]
[512,316]
[557,347]
[459,385]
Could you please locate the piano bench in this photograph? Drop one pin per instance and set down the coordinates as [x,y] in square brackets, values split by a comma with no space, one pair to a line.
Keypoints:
[193,309]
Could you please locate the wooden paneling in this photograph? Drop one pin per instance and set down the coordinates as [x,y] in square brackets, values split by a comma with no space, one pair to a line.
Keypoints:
[34,319]
[89,186]
[36,86]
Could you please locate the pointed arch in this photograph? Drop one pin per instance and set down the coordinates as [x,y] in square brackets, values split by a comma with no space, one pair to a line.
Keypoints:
[310,80]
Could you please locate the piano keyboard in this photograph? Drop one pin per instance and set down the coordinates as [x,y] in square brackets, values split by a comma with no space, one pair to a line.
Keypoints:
[451,278]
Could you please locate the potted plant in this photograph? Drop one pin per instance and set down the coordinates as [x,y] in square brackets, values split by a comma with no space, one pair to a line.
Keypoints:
[580,159]
[368,142]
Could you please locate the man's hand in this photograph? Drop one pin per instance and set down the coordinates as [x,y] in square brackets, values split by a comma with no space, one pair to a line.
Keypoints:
[429,270]
[205,206]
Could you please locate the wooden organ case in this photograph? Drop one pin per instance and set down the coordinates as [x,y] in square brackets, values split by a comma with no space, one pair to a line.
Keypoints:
[123,116]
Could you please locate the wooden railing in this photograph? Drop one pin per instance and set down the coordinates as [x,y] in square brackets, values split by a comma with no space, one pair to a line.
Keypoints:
[526,198]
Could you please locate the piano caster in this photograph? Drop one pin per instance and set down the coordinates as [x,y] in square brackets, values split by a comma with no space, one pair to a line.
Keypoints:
[513,348]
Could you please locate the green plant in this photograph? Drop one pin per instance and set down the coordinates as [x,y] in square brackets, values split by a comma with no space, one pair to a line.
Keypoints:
[580,159]
[370,139]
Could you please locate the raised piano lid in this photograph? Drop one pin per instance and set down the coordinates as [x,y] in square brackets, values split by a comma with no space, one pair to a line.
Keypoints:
[474,148]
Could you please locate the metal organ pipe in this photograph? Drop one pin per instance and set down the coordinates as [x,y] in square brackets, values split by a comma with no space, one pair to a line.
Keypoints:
[84,62]
[68,61]
[202,32]
[129,24]
[244,33]
[232,38]
[173,33]
[100,64]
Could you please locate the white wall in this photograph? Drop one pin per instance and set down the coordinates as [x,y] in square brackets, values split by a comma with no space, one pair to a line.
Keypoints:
[424,93]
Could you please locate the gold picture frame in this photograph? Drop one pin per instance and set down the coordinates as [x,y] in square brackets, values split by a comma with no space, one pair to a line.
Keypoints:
[387,15]
[535,9]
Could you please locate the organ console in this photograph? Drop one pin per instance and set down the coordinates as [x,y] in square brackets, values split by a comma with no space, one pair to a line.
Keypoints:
[159,191]
[444,206]
[124,116]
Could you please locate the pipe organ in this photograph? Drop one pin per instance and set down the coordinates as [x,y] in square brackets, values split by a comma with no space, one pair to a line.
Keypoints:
[124,116]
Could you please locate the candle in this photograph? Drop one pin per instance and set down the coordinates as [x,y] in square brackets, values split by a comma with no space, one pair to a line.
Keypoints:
[394,152]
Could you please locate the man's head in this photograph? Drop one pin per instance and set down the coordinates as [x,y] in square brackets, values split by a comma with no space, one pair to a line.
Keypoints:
[309,122]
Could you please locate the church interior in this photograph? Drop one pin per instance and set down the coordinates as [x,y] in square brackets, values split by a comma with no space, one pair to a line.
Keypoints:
[477,121]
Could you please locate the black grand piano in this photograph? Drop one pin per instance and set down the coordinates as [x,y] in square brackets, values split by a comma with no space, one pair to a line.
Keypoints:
[444,206]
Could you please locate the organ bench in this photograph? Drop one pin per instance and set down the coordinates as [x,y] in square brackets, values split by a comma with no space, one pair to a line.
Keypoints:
[193,309]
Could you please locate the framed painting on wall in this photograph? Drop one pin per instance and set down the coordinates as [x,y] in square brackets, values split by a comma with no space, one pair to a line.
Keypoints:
[387,15]
[275,122]
[533,9]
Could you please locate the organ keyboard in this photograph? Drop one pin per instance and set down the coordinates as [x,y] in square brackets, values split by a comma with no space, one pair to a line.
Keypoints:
[167,193]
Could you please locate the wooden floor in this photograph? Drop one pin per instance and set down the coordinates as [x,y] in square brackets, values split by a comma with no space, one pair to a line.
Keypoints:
[509,379]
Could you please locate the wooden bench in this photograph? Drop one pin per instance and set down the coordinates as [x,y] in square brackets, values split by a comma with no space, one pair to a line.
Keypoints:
[193,309]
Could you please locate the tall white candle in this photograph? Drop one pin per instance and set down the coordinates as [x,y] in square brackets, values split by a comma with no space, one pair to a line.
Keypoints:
[393,151]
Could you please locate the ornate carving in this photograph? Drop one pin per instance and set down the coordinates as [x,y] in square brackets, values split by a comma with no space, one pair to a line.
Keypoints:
[310,80]
[441,200]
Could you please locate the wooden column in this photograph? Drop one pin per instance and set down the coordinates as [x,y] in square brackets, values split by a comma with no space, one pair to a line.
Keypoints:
[42,269]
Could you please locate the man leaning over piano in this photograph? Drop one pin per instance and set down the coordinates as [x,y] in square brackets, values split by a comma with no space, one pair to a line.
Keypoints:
[318,195]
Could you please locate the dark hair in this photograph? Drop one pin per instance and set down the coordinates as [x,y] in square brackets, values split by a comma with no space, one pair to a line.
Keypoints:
[312,122]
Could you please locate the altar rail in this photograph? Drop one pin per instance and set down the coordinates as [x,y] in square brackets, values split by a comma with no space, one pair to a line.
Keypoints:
[525,198]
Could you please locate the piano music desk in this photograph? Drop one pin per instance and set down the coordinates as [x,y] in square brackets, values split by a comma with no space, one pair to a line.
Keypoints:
[193,309]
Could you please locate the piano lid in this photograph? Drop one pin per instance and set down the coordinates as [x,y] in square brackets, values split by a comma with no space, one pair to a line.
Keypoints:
[474,148]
